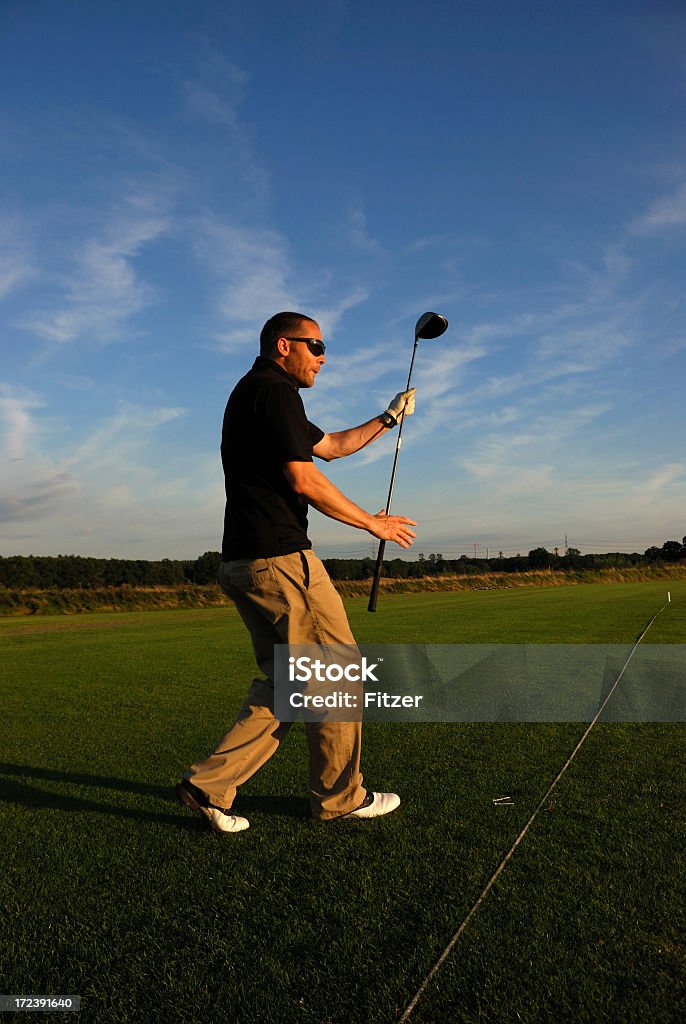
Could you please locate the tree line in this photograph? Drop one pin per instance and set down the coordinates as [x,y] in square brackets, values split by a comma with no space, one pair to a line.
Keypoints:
[76,571]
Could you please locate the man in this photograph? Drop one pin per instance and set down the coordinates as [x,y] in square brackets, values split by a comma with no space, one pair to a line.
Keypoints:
[281,589]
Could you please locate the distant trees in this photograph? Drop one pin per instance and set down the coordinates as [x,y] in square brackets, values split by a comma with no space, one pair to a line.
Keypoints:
[25,572]
[671,551]
[204,569]
[45,572]
[541,558]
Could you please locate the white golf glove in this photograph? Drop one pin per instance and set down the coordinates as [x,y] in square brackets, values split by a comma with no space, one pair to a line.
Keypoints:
[402,405]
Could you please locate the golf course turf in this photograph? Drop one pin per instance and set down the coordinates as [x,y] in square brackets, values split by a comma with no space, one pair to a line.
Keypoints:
[112,891]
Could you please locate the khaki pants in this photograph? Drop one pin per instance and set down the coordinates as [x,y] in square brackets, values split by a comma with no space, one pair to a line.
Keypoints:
[287,599]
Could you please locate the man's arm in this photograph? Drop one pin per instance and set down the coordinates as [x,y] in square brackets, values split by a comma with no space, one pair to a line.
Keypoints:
[347,442]
[308,481]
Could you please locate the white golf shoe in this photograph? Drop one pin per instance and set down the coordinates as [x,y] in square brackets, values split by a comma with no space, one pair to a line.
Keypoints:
[375,805]
[220,819]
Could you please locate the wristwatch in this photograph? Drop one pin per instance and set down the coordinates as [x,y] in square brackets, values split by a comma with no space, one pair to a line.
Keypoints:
[389,421]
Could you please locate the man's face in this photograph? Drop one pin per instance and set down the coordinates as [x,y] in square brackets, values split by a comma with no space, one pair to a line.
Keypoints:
[300,363]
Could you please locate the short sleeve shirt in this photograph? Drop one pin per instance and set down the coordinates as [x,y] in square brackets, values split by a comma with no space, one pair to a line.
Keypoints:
[264,427]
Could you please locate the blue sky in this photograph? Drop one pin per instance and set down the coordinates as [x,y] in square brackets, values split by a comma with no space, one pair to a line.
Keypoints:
[174,173]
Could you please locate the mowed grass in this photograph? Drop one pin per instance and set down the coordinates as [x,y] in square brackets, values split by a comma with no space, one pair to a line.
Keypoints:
[114,892]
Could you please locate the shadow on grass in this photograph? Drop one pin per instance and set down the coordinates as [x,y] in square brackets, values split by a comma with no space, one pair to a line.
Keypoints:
[21,789]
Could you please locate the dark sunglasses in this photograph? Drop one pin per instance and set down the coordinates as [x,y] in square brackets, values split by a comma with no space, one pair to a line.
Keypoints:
[316,347]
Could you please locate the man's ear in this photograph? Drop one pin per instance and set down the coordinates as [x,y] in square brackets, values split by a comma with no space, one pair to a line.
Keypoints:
[283,346]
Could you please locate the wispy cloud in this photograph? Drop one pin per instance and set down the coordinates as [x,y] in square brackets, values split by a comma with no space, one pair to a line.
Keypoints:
[103,289]
[112,481]
[506,451]
[36,498]
[209,105]
[581,349]
[255,276]
[251,270]
[214,96]
[659,483]
[119,436]
[547,352]
[17,265]
[218,87]
[32,483]
[666,213]
[358,232]
[429,242]
[15,413]
[329,314]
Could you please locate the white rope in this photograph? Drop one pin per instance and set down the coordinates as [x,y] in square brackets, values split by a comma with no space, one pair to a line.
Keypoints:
[501,867]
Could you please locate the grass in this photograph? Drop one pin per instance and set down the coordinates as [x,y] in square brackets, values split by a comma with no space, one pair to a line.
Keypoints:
[126,598]
[114,892]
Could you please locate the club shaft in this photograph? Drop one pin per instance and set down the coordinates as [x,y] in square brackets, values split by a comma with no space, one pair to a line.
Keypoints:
[371,607]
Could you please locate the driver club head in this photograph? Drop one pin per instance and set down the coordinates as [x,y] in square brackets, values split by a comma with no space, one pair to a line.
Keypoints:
[430,325]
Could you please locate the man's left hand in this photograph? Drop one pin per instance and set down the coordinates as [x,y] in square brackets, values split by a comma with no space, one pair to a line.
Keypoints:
[402,405]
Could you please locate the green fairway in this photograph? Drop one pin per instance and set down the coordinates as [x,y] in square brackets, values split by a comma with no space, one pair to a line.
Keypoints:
[114,892]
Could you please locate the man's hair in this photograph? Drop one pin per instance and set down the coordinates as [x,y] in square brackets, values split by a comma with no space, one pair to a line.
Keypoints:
[281,325]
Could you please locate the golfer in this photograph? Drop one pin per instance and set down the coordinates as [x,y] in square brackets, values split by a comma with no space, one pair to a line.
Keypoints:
[281,589]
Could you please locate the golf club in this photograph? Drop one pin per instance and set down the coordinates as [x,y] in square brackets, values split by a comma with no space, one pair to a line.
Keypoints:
[429,325]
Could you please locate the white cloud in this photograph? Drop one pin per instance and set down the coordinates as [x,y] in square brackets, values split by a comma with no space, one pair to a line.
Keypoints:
[16,261]
[15,412]
[530,452]
[665,213]
[330,314]
[255,278]
[658,484]
[109,492]
[218,88]
[205,103]
[251,267]
[430,242]
[358,233]
[215,96]
[114,441]
[580,349]
[103,288]
[238,339]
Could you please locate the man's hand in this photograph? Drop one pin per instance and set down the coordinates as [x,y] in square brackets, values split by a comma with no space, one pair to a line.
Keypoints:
[306,480]
[402,405]
[395,528]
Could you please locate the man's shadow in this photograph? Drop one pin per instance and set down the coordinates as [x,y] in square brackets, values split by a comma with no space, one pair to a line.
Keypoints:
[20,784]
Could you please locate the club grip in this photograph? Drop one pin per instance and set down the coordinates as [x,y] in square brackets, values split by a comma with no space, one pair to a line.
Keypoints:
[371,607]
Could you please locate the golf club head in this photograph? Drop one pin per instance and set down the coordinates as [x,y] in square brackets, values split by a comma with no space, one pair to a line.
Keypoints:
[430,325]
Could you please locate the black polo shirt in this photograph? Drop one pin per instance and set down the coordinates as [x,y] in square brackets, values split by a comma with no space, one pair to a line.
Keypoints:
[264,427]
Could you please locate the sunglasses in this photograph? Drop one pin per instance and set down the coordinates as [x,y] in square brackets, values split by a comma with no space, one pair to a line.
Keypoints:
[316,347]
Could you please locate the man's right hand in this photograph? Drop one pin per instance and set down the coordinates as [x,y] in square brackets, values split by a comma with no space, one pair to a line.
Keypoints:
[395,528]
